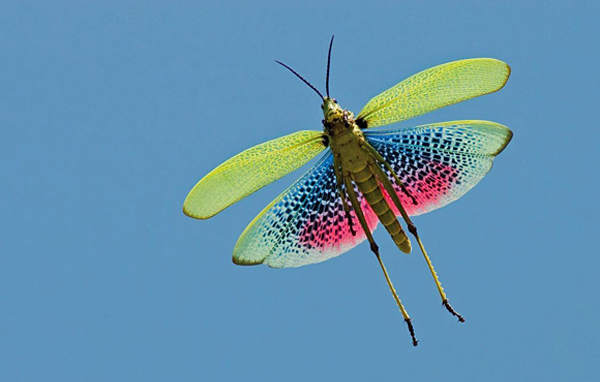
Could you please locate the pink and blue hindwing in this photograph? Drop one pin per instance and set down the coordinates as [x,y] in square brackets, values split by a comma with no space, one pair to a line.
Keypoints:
[439,163]
[307,224]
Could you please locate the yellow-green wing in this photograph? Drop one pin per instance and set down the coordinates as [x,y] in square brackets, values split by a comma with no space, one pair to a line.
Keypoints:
[435,88]
[251,170]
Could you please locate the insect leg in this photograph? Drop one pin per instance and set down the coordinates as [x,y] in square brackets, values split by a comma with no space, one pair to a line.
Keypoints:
[375,249]
[338,178]
[384,180]
[387,166]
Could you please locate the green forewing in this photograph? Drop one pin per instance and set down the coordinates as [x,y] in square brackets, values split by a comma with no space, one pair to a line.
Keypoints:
[251,170]
[435,88]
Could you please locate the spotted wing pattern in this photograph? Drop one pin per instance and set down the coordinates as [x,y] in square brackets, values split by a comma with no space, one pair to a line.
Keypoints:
[306,224]
[439,163]
[436,87]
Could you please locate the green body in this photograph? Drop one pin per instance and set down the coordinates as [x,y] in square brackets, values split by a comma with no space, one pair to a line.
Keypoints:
[354,160]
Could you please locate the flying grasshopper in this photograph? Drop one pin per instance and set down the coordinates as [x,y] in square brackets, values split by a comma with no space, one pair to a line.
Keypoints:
[365,176]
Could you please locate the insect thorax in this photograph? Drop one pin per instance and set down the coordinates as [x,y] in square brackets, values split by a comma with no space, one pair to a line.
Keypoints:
[344,136]
[337,121]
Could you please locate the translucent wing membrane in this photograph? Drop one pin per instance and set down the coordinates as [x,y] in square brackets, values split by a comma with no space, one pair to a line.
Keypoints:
[306,224]
[434,88]
[251,170]
[439,163]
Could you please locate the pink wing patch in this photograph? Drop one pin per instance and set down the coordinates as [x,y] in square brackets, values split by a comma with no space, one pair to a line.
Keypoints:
[428,191]
[330,229]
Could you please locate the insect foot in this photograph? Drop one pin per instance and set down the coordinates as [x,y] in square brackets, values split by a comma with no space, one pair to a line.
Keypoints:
[452,311]
[411,329]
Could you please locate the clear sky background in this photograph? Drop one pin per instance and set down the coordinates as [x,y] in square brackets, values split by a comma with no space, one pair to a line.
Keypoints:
[111,111]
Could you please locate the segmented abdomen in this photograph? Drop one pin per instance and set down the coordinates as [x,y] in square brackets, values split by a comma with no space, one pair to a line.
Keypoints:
[369,186]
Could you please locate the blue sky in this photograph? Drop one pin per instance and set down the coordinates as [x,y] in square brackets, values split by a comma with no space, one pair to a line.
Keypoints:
[112,111]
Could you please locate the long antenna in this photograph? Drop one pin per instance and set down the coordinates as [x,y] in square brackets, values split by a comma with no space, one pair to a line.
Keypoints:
[302,78]
[328,65]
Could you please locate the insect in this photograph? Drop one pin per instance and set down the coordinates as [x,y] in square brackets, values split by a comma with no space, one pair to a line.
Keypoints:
[366,176]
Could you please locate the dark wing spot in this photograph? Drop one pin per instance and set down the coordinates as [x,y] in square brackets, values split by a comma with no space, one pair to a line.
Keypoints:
[361,123]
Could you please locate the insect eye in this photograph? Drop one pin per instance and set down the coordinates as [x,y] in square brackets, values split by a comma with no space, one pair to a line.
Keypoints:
[335,100]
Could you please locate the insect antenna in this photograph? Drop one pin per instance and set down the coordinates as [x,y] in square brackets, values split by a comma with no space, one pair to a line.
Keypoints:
[302,78]
[328,66]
